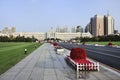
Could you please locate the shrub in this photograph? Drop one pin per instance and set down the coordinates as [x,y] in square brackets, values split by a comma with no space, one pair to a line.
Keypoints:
[78,53]
[55,44]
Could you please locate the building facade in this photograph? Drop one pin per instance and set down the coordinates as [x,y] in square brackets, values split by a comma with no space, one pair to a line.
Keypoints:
[88,28]
[41,36]
[108,25]
[44,35]
[37,35]
[101,25]
[98,25]
[68,36]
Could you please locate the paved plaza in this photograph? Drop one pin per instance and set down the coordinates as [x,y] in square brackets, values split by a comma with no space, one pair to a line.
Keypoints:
[45,64]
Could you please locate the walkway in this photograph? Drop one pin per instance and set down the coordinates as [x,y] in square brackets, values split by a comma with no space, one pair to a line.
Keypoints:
[45,64]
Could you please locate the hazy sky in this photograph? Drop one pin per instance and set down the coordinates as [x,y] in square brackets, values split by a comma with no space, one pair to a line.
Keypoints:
[41,15]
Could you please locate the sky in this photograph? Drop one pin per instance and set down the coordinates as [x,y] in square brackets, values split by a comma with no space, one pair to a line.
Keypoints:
[42,15]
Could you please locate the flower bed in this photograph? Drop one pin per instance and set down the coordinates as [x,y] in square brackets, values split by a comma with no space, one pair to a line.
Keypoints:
[78,58]
[78,53]
[54,43]
[110,44]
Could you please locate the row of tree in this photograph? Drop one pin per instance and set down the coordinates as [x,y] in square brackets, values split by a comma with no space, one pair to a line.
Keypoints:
[99,38]
[17,39]
[82,39]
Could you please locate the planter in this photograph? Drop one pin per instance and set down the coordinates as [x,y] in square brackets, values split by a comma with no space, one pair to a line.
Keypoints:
[78,59]
[59,50]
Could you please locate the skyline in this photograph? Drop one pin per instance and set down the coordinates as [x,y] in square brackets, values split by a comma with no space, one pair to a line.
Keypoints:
[41,15]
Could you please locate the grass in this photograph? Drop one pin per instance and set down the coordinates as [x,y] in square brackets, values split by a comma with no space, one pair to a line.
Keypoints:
[104,43]
[12,52]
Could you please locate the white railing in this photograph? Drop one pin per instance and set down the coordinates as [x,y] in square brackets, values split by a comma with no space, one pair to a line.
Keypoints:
[85,67]
[88,67]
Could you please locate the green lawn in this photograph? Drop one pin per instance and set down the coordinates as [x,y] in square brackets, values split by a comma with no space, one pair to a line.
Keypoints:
[12,52]
[104,43]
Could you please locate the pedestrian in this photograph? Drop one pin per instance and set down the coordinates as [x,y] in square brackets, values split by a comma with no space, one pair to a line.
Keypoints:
[25,51]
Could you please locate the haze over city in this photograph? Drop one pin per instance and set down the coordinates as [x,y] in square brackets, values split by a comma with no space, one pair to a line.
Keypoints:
[41,15]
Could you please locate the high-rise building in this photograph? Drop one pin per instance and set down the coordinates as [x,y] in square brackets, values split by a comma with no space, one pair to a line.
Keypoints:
[101,25]
[13,29]
[73,30]
[88,28]
[79,29]
[98,25]
[5,30]
[9,30]
[58,29]
[62,29]
[65,29]
[108,25]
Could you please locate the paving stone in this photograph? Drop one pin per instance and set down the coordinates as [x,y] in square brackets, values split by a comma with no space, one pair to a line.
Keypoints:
[50,77]
[37,74]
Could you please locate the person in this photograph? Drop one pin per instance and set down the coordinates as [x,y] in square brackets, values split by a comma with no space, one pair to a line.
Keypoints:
[25,51]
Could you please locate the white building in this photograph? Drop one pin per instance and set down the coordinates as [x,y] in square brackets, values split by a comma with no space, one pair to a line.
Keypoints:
[68,36]
[42,36]
[50,34]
